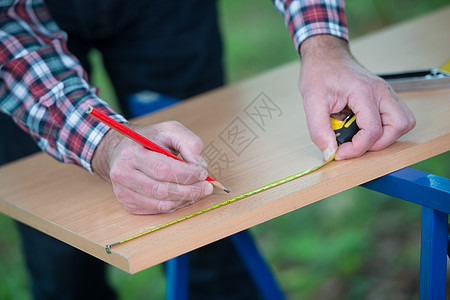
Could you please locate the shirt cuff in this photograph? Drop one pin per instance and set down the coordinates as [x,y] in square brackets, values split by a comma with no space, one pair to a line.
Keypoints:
[86,132]
[306,18]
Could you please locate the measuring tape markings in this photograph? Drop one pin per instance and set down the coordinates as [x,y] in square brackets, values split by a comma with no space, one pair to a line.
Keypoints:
[347,126]
[223,203]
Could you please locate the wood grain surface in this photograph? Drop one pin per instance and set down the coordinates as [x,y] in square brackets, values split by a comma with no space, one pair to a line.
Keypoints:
[254,133]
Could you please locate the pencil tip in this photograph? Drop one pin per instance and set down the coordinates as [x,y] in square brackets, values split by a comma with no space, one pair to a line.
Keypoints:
[228,191]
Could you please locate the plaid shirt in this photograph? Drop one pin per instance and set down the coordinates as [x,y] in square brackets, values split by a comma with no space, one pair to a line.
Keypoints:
[43,86]
[305,18]
[45,90]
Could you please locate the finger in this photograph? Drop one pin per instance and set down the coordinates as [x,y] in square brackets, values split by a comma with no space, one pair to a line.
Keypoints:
[369,122]
[319,125]
[408,112]
[163,168]
[160,197]
[396,120]
[136,203]
[163,190]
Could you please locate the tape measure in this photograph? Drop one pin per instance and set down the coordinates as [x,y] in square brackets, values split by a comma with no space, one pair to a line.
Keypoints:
[344,126]
[234,199]
[344,130]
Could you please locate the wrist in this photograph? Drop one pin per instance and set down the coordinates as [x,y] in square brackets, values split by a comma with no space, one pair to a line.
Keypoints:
[101,163]
[324,45]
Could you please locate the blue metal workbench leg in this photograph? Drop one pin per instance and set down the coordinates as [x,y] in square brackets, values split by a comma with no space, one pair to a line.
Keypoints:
[433,194]
[433,254]
[256,266]
[448,243]
[177,278]
[177,271]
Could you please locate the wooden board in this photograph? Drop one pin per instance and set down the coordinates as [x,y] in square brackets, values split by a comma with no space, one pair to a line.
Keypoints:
[255,131]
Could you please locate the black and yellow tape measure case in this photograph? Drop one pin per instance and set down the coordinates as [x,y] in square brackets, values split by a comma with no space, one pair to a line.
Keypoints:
[344,129]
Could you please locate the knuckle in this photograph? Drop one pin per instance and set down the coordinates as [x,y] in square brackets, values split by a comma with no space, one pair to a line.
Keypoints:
[116,175]
[195,142]
[412,123]
[159,191]
[192,176]
[196,193]
[165,206]
[382,85]
[172,124]
[403,124]
[375,132]
[364,85]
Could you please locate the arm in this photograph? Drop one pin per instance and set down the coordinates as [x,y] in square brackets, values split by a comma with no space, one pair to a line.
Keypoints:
[332,79]
[45,90]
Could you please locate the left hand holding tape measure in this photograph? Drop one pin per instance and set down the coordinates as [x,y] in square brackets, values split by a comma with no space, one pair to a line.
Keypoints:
[344,123]
[330,80]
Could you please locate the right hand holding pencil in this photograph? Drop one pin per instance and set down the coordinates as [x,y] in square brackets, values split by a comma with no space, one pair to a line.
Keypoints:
[147,182]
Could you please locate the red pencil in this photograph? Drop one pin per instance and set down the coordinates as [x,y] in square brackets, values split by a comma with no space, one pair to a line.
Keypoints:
[128,132]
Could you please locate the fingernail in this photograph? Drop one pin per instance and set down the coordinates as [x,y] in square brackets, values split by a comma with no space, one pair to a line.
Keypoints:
[328,153]
[208,189]
[203,175]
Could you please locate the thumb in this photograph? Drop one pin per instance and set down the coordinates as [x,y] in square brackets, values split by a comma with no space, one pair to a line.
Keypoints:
[320,131]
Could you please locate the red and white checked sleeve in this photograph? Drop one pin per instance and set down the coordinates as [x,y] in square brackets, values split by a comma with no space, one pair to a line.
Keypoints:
[43,86]
[305,18]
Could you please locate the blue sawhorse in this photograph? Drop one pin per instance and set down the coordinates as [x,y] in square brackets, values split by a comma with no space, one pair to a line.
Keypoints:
[177,271]
[430,191]
[433,193]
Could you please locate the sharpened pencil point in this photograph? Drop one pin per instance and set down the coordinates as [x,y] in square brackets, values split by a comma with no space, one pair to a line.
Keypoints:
[219,186]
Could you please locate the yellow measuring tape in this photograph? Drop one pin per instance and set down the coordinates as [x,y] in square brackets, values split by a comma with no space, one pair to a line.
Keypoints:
[234,199]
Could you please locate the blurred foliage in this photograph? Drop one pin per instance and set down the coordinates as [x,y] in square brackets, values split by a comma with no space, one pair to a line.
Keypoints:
[358,244]
[355,245]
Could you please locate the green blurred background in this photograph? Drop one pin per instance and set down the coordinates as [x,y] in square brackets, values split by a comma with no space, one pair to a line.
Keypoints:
[355,245]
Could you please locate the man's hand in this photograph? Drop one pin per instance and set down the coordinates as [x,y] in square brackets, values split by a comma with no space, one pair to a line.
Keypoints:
[332,79]
[147,182]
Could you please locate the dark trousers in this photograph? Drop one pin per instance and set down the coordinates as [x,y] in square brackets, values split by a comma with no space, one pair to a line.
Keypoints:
[169,47]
